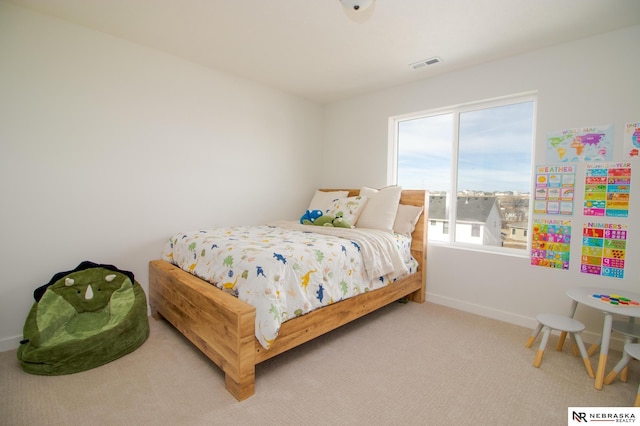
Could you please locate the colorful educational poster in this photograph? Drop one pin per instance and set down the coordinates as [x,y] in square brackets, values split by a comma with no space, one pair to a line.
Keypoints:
[585,144]
[554,191]
[607,189]
[632,140]
[604,247]
[551,243]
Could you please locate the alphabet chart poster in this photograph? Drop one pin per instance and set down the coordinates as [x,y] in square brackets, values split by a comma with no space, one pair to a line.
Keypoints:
[555,187]
[607,189]
[551,243]
[604,247]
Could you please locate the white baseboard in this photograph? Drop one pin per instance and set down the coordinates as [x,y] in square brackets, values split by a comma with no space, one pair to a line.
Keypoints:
[616,343]
[482,310]
[9,343]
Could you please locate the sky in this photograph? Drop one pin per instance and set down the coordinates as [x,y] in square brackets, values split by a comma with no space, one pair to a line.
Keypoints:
[494,150]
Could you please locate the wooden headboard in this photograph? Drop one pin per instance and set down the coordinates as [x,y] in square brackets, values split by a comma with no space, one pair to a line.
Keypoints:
[413,197]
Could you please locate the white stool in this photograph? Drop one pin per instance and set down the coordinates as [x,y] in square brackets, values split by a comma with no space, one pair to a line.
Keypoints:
[631,350]
[631,332]
[548,322]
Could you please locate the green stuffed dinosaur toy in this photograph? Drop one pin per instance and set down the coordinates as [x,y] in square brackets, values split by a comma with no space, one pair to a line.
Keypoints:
[337,221]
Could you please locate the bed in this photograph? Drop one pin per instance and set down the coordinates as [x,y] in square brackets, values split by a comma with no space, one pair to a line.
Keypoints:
[223,327]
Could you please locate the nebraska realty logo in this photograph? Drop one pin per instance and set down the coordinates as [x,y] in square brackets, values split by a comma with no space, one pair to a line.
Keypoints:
[581,415]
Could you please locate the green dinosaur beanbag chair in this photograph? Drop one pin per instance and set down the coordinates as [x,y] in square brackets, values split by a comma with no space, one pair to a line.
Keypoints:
[83,319]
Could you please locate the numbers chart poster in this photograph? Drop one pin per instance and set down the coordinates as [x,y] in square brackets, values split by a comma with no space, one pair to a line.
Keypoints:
[604,248]
[607,189]
[555,187]
[551,243]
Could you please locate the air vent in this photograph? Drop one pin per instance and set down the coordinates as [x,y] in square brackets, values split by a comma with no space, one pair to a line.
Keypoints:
[425,62]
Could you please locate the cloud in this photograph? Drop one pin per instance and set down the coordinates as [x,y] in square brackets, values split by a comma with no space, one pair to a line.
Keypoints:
[494,151]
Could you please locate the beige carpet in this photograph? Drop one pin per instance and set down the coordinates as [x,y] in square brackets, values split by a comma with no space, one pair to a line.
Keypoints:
[404,365]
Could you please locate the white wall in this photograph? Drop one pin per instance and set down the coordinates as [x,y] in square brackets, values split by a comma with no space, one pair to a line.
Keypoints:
[107,148]
[585,83]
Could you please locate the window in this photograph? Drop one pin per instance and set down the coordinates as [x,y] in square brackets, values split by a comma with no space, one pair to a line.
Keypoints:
[480,152]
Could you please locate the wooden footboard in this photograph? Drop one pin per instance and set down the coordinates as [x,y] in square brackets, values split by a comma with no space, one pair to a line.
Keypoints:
[316,323]
[222,326]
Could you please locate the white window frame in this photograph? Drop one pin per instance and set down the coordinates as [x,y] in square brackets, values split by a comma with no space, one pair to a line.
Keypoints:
[392,166]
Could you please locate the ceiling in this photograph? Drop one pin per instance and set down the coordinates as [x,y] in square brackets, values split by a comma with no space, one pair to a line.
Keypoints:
[320,51]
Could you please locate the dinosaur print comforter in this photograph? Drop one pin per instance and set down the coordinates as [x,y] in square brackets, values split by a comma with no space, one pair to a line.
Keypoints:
[286,270]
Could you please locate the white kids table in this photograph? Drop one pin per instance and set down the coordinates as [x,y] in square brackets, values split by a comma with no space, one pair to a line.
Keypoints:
[585,296]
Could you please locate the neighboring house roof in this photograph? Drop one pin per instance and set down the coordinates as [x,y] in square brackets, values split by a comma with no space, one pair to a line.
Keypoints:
[469,209]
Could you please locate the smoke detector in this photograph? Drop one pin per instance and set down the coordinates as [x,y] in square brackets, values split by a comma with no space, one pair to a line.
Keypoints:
[356,4]
[425,63]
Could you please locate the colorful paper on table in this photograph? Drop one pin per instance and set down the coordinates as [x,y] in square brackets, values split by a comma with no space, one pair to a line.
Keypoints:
[616,299]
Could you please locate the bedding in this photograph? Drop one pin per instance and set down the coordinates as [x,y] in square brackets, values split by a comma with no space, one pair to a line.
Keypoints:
[322,199]
[223,327]
[286,269]
[348,208]
[381,208]
[406,219]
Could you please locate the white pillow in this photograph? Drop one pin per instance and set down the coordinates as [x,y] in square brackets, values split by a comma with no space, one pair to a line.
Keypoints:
[322,200]
[350,208]
[381,209]
[406,219]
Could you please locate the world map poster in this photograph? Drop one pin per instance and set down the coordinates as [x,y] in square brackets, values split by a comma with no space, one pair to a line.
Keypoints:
[632,140]
[584,144]
[607,189]
[604,247]
[551,243]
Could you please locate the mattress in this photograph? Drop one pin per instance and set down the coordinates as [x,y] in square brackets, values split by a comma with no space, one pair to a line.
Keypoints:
[286,269]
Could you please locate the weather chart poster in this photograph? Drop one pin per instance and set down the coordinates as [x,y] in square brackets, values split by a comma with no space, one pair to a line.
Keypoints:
[607,189]
[604,247]
[555,186]
[551,243]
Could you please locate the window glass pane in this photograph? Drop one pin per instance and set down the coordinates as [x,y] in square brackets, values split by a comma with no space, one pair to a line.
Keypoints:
[494,164]
[495,149]
[424,153]
[424,162]
[480,153]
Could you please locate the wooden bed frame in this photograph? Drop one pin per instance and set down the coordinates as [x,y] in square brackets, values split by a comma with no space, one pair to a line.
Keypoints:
[222,326]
